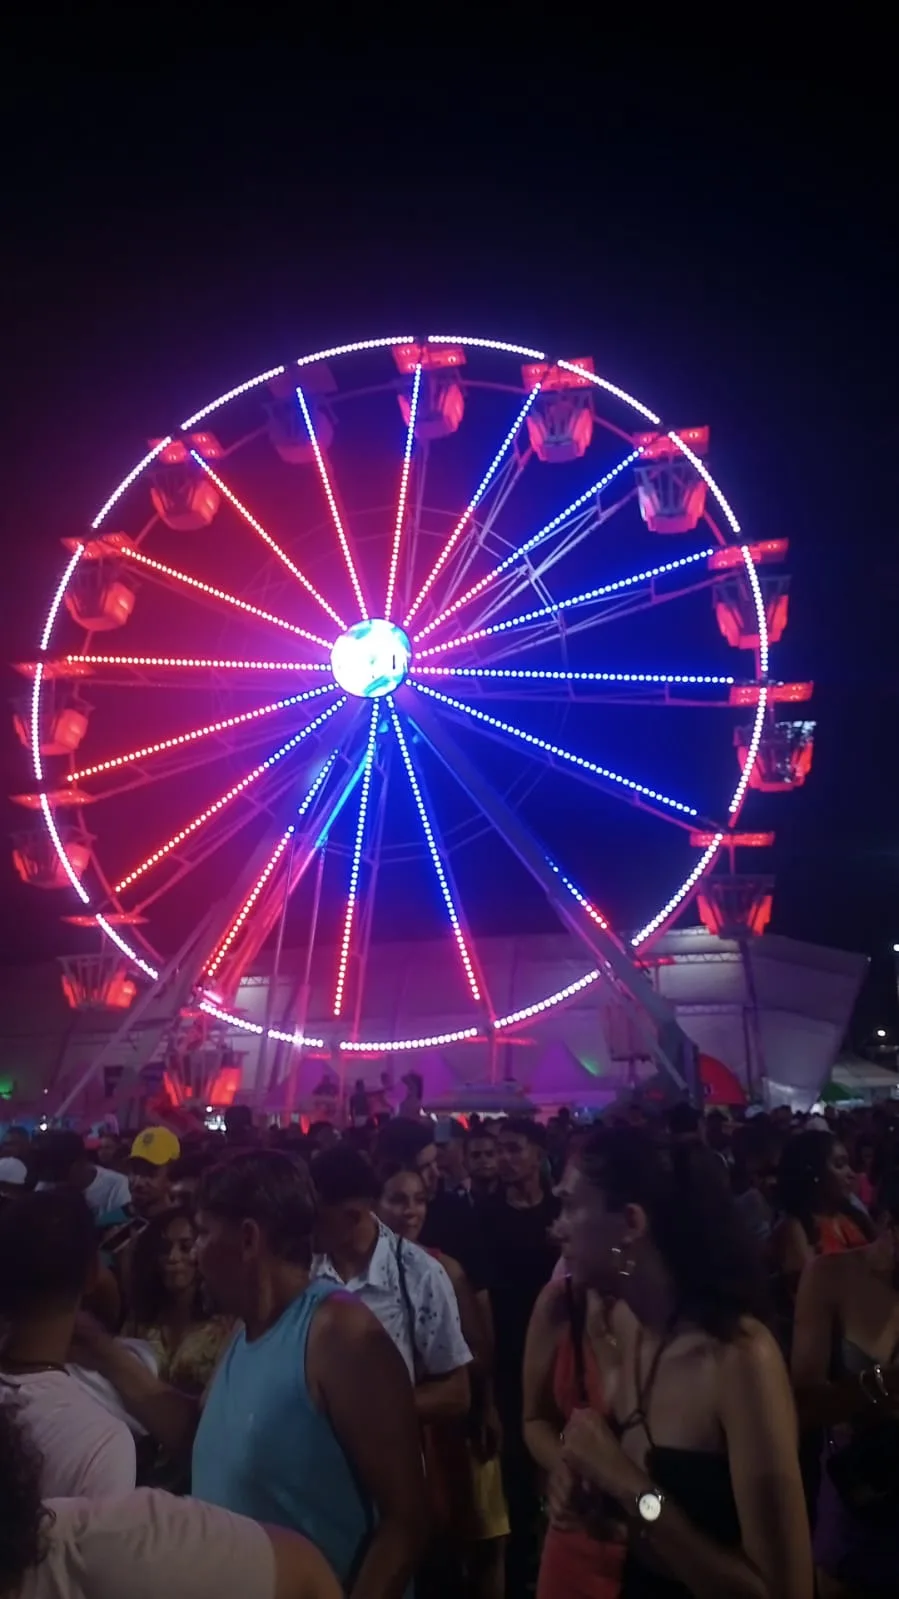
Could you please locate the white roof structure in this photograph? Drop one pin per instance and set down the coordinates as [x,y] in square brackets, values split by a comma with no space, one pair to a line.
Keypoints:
[775,1011]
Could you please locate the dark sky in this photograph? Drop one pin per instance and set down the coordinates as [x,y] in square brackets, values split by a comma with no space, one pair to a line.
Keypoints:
[718,236]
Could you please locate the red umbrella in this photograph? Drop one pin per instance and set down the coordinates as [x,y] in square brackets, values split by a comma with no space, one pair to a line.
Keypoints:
[719,1084]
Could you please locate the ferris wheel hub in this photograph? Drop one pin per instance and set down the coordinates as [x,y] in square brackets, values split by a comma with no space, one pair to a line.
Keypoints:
[371,659]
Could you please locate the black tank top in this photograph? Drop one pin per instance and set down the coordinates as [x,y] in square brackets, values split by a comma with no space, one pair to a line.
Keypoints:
[699,1483]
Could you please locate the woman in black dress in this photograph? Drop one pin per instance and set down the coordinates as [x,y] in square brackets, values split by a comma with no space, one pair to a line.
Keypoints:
[698,1455]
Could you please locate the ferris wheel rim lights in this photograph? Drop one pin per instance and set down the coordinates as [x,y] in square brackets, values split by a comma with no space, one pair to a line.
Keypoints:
[325,354]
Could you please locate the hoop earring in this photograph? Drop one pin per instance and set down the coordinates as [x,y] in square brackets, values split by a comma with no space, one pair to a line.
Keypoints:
[625,1266]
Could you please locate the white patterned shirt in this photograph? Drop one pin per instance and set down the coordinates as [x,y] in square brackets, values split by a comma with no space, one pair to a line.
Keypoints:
[427,1312]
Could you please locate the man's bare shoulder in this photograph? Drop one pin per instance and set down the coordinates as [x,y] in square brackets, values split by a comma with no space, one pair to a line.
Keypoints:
[343,1317]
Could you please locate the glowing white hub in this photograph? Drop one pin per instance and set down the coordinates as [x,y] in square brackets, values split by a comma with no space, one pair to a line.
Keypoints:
[371,659]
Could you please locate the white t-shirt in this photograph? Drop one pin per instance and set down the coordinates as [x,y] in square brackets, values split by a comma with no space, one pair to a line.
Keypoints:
[87,1453]
[107,1190]
[110,1190]
[150,1544]
[427,1312]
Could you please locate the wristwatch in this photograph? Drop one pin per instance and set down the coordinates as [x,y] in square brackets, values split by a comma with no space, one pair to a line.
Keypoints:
[649,1507]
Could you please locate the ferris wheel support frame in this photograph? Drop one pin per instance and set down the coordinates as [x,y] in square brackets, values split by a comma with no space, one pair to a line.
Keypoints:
[177,979]
[673,1051]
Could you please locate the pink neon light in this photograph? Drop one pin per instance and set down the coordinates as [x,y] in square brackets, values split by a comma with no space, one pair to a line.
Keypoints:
[455,921]
[478,495]
[357,861]
[232,394]
[220,594]
[195,733]
[529,544]
[126,482]
[249,902]
[205,662]
[276,549]
[226,798]
[267,870]
[404,489]
[332,503]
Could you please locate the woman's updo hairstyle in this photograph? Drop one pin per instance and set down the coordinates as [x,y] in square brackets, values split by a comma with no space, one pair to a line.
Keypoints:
[714,1263]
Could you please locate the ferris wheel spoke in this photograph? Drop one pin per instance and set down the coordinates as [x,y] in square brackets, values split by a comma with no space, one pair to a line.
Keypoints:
[164,671]
[622,787]
[522,685]
[332,504]
[262,800]
[356,862]
[531,574]
[230,794]
[440,860]
[472,505]
[323,802]
[179,740]
[541,614]
[404,490]
[171,574]
[237,922]
[266,538]
[522,550]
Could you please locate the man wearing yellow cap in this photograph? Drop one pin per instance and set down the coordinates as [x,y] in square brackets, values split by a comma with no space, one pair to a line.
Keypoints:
[149,1170]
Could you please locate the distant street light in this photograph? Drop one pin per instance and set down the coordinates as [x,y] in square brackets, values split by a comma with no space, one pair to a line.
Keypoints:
[880,1032]
[896,949]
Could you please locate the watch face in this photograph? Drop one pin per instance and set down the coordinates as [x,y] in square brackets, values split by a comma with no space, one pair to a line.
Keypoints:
[649,1506]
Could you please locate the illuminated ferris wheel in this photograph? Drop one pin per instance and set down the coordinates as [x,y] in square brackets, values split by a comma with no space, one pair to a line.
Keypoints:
[412,600]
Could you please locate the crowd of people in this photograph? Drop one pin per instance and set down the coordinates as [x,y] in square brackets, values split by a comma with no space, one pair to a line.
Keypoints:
[649,1358]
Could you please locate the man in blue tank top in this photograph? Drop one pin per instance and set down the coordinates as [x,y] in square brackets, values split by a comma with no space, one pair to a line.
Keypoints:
[309,1422]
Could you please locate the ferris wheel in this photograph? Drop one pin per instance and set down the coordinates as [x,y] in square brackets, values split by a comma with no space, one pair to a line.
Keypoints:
[432,607]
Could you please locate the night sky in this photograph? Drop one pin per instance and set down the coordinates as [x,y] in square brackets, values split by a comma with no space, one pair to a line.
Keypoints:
[719,241]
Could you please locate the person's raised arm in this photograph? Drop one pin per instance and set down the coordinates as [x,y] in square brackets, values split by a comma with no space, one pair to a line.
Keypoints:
[360,1380]
[169,1416]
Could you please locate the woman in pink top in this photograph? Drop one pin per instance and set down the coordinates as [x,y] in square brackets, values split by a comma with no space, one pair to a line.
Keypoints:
[570,1361]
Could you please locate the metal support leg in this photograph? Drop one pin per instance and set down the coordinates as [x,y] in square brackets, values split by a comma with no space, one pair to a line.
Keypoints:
[674,1052]
[179,976]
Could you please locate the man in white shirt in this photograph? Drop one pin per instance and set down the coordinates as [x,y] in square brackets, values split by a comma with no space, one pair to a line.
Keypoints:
[48,1258]
[405,1287]
[60,1159]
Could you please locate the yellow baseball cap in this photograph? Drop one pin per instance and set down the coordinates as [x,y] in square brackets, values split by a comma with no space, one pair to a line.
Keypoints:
[156,1145]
